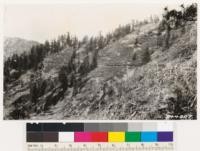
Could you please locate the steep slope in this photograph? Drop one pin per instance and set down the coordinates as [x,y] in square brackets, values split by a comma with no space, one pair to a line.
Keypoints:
[157,83]
[18,92]
[162,88]
[17,46]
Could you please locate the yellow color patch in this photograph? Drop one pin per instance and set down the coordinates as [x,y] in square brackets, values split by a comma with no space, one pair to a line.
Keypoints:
[116,136]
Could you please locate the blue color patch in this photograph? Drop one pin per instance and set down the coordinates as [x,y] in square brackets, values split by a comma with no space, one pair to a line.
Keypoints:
[149,136]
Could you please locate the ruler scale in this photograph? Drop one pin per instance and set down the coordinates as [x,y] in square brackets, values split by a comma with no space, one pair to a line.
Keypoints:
[100,137]
[100,146]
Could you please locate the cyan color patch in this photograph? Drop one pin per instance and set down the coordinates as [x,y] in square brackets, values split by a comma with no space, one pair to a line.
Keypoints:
[149,136]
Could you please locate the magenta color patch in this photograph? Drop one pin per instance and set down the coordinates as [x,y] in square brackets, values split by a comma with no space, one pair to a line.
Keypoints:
[82,137]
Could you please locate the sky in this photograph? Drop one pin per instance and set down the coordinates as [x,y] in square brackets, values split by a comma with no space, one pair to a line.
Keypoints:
[42,22]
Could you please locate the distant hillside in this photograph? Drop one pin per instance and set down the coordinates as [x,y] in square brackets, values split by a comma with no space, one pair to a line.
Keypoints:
[17,46]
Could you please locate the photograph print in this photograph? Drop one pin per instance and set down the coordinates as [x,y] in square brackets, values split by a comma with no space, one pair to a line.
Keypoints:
[100,61]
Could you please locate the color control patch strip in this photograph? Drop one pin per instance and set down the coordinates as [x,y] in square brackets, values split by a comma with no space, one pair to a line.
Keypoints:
[100,132]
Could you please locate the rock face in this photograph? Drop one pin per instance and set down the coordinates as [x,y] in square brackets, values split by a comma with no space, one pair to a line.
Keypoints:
[128,81]
[17,46]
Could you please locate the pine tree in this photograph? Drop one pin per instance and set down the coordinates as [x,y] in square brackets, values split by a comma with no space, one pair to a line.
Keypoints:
[47,46]
[62,76]
[100,41]
[69,42]
[85,40]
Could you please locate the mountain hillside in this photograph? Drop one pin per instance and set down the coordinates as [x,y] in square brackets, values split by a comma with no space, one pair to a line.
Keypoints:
[119,87]
[164,87]
[139,71]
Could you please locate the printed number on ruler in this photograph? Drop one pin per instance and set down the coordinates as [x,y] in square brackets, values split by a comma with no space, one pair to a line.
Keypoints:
[100,147]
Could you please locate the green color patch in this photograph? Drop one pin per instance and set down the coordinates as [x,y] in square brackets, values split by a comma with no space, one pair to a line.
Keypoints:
[132,136]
